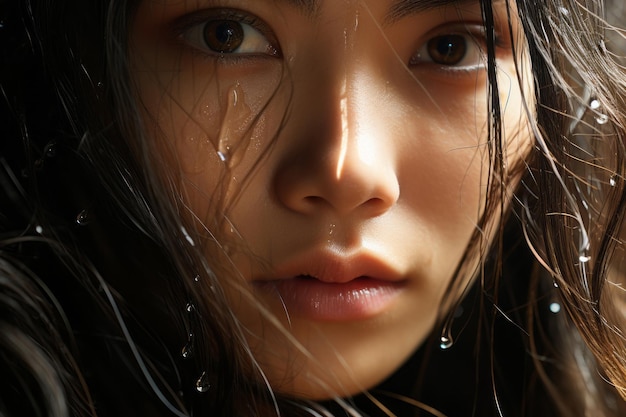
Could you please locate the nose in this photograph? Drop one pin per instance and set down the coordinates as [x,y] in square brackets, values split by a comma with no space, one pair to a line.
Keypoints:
[341,157]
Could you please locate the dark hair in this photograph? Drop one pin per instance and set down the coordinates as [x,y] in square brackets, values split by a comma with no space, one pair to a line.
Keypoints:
[76,317]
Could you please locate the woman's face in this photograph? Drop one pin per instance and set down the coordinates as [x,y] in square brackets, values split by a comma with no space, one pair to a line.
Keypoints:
[338,151]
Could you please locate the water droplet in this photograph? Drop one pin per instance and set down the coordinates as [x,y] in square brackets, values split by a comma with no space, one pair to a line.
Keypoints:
[602,119]
[50,151]
[564,11]
[236,129]
[187,351]
[100,84]
[556,284]
[190,307]
[594,104]
[613,181]
[555,307]
[202,384]
[445,343]
[196,278]
[189,239]
[584,258]
[39,229]
[602,46]
[222,155]
[83,218]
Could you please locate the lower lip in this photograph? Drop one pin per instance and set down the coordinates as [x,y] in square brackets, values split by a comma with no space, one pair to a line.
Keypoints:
[358,299]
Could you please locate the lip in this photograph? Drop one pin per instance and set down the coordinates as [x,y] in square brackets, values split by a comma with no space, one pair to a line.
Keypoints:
[328,286]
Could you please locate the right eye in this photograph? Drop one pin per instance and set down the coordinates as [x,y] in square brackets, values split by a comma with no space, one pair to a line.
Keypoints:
[230,32]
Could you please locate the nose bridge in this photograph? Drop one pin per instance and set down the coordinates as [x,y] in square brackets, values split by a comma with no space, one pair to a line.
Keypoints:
[340,158]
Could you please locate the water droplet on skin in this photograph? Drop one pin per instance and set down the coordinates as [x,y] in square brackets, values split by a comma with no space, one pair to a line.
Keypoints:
[602,119]
[613,181]
[445,343]
[235,131]
[82,219]
[555,307]
[202,384]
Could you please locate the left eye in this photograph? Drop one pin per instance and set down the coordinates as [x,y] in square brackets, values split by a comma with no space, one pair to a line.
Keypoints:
[454,51]
[229,36]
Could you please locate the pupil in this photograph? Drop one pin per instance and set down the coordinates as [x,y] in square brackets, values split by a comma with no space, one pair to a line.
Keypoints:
[225,33]
[447,50]
[223,36]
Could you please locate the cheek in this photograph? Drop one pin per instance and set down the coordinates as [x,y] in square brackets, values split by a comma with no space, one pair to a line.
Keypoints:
[209,134]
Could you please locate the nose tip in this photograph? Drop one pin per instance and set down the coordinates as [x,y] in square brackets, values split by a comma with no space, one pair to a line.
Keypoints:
[342,181]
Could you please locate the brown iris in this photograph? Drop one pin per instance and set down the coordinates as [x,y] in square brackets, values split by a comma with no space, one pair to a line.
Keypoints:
[223,36]
[447,50]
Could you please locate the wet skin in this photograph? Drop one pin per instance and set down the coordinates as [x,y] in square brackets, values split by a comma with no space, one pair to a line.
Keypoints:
[339,154]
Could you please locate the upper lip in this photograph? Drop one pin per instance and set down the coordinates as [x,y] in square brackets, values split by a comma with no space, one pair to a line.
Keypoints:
[333,267]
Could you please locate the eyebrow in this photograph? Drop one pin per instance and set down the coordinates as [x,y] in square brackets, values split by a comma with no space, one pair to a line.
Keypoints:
[403,8]
[398,10]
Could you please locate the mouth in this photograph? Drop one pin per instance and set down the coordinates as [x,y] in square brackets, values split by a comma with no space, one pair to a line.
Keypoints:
[328,287]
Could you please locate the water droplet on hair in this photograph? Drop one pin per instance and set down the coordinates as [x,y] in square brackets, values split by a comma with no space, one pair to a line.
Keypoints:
[190,308]
[445,342]
[613,181]
[602,119]
[594,104]
[202,384]
[82,219]
[50,150]
[564,11]
[223,155]
[39,229]
[196,278]
[555,307]
[189,239]
[100,84]
[584,258]
[556,284]
[187,351]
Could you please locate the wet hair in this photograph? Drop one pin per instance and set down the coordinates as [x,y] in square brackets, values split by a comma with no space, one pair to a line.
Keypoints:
[79,313]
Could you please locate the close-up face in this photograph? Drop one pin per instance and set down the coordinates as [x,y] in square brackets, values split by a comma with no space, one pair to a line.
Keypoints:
[337,150]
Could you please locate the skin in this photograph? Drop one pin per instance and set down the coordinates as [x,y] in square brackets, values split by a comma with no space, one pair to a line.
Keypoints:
[339,139]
